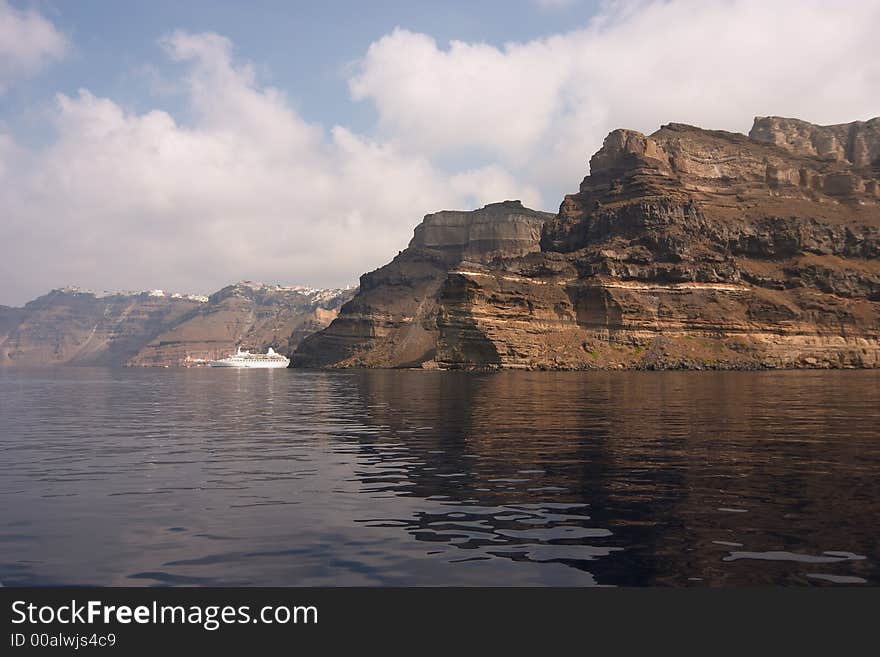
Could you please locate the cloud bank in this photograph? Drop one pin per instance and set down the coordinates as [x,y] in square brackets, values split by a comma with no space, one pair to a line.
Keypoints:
[247,188]
[28,42]
[541,108]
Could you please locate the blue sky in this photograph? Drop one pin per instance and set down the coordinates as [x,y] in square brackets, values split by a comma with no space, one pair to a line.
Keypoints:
[304,48]
[186,145]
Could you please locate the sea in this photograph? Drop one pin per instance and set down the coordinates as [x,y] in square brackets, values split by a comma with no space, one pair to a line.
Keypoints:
[192,477]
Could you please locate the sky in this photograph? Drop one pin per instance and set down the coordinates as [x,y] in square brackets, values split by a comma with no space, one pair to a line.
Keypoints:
[187,145]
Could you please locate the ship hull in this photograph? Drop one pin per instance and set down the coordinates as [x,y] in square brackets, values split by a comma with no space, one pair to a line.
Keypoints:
[250,366]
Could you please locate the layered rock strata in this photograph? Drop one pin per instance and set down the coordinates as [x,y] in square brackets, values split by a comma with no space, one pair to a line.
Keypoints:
[393,321]
[687,248]
[73,327]
[250,315]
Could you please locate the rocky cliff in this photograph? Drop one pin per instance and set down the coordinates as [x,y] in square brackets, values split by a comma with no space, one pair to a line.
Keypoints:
[251,315]
[393,320]
[687,248]
[74,327]
[9,319]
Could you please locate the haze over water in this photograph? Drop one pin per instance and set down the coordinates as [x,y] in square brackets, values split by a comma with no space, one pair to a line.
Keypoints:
[262,477]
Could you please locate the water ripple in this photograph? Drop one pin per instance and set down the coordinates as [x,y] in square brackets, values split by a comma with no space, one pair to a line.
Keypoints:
[425,478]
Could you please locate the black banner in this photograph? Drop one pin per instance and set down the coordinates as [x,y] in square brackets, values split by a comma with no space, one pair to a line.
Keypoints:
[270,621]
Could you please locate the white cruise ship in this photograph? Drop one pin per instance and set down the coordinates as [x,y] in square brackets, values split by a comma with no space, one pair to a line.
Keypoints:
[240,358]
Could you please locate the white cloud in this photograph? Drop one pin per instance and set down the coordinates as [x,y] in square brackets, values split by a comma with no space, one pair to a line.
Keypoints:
[27,43]
[542,107]
[248,190]
[471,95]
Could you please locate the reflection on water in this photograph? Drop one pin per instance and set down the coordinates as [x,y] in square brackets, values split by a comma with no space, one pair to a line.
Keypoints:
[285,477]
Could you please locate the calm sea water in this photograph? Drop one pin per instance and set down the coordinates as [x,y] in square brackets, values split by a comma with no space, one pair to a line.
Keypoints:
[226,477]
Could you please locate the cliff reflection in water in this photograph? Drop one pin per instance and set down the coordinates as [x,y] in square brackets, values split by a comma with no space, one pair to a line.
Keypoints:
[262,477]
[720,478]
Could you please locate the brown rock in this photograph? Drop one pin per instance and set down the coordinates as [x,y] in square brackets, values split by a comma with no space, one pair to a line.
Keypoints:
[71,327]
[686,248]
[84,328]
[857,143]
[248,315]
[392,321]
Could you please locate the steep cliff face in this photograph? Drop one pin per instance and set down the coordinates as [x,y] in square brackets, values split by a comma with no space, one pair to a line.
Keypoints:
[9,319]
[250,315]
[71,327]
[393,320]
[84,328]
[857,143]
[686,248]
